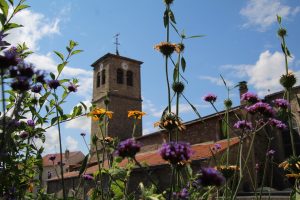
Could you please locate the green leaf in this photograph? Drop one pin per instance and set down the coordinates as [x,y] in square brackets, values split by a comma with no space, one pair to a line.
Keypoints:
[175,73]
[172,17]
[11,2]
[53,120]
[279,19]
[76,52]
[60,55]
[84,165]
[20,7]
[166,18]
[84,106]
[60,110]
[4,7]
[183,64]
[72,44]
[60,67]
[11,26]
[52,75]
[2,19]
[223,80]
[195,36]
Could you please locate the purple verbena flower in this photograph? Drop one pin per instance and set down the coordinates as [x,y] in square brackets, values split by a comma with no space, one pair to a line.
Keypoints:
[128,148]
[211,98]
[24,134]
[270,152]
[36,88]
[26,70]
[249,97]
[281,103]
[53,84]
[52,157]
[182,195]
[20,84]
[30,123]
[72,87]
[262,108]
[176,152]
[87,177]
[10,58]
[277,123]
[216,147]
[211,177]
[40,77]
[243,124]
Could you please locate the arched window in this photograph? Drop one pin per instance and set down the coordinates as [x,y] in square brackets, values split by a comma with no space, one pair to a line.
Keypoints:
[120,75]
[103,77]
[129,77]
[98,79]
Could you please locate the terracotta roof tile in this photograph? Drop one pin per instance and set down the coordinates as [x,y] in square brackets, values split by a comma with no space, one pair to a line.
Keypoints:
[152,158]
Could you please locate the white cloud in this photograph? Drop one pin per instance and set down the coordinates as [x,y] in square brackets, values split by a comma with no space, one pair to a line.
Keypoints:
[218,81]
[71,143]
[51,144]
[35,27]
[262,13]
[265,73]
[83,123]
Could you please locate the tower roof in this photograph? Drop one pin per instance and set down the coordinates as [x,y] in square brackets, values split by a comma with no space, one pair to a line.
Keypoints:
[110,55]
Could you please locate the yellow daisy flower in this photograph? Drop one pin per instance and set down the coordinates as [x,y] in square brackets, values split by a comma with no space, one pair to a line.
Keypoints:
[135,114]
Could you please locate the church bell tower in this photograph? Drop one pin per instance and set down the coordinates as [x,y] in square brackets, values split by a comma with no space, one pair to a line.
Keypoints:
[117,78]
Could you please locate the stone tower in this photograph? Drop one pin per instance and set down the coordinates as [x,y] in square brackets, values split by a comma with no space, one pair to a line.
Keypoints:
[119,79]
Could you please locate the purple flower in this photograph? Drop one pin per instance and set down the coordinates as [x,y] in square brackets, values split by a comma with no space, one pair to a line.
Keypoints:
[262,108]
[36,88]
[249,97]
[10,58]
[176,152]
[53,84]
[82,134]
[211,177]
[72,87]
[15,123]
[20,84]
[128,148]
[270,152]
[281,103]
[52,157]
[26,70]
[277,123]
[24,134]
[30,123]
[87,177]
[217,147]
[40,77]
[210,98]
[243,124]
[183,194]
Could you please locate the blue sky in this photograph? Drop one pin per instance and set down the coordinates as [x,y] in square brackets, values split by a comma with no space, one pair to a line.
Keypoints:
[240,43]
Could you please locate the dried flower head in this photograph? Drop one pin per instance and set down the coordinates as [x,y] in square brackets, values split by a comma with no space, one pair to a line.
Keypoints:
[170,121]
[281,32]
[178,87]
[24,134]
[228,171]
[168,2]
[135,114]
[166,48]
[288,81]
[72,87]
[227,103]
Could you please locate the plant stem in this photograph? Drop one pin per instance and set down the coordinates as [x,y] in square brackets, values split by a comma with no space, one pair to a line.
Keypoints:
[4,116]
[265,171]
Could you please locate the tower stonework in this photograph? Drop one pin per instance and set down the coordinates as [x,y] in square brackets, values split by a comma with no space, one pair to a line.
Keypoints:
[118,79]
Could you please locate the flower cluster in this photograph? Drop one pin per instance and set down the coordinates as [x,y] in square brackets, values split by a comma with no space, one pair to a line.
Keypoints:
[135,114]
[260,107]
[292,167]
[128,148]
[99,113]
[277,123]
[87,177]
[281,103]
[10,58]
[72,87]
[182,194]
[243,124]
[53,84]
[24,135]
[210,177]
[249,98]
[176,152]
[211,98]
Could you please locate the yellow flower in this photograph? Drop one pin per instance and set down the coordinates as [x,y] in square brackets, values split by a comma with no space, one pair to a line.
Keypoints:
[296,176]
[135,114]
[170,121]
[98,113]
[227,171]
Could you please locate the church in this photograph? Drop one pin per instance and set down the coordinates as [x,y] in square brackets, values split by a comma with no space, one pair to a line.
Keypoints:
[117,79]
